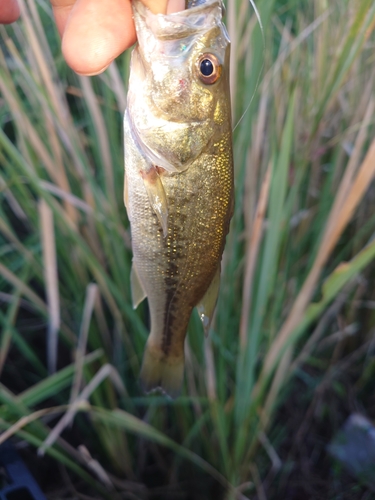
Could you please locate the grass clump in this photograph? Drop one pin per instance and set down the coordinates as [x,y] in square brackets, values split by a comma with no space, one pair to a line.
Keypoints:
[295,308]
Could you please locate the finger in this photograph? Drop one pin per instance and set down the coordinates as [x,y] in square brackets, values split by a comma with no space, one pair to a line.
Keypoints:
[164,6]
[156,6]
[96,32]
[175,6]
[61,10]
[9,11]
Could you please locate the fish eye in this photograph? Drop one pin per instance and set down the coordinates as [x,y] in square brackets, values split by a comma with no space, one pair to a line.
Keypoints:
[209,68]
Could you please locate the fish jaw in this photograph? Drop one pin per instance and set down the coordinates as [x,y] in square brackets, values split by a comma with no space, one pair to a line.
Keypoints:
[177,253]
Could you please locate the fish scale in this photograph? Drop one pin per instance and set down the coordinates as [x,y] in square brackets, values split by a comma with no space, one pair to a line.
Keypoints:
[180,211]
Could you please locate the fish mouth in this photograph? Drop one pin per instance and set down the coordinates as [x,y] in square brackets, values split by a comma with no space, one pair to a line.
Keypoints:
[199,16]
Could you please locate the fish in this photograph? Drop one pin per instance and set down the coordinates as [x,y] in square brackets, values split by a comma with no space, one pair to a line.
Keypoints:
[179,181]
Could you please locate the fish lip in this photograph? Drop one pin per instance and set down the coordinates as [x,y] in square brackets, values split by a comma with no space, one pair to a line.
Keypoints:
[181,24]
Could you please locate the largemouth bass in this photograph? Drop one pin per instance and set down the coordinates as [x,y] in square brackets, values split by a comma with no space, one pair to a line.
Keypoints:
[178,175]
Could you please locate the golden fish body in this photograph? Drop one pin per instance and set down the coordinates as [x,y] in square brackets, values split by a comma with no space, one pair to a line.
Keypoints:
[178,176]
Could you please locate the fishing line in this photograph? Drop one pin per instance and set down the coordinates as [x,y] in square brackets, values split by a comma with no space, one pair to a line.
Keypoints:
[261,69]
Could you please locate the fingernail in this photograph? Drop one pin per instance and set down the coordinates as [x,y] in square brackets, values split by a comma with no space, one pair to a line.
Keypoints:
[175,6]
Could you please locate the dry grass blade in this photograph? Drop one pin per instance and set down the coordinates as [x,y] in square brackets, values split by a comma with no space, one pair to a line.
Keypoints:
[190,380]
[253,165]
[28,130]
[278,64]
[252,253]
[101,133]
[39,55]
[6,337]
[258,482]
[351,168]
[91,294]
[102,323]
[331,312]
[271,452]
[338,336]
[104,372]
[210,370]
[13,202]
[95,466]
[277,383]
[69,197]
[27,419]
[9,235]
[24,289]
[51,280]
[117,86]
[232,30]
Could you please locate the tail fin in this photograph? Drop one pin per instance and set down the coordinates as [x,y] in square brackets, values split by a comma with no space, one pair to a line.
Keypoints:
[158,370]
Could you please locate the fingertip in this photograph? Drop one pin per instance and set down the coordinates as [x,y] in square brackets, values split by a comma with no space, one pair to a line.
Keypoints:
[9,11]
[94,60]
[94,73]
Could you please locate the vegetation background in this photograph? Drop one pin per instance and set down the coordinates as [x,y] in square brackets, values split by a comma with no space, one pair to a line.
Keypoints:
[291,351]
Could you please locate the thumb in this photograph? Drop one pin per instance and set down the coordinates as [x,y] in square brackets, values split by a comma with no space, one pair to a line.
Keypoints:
[96,32]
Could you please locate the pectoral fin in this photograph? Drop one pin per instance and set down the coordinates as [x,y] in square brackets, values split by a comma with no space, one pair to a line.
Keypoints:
[157,197]
[138,293]
[206,306]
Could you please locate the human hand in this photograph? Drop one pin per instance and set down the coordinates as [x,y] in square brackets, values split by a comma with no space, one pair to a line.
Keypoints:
[93,32]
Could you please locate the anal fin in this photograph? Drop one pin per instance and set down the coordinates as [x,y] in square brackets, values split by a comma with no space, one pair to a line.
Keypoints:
[157,197]
[138,292]
[206,306]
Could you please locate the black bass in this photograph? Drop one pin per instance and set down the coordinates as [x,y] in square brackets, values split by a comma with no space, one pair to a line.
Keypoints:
[178,175]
